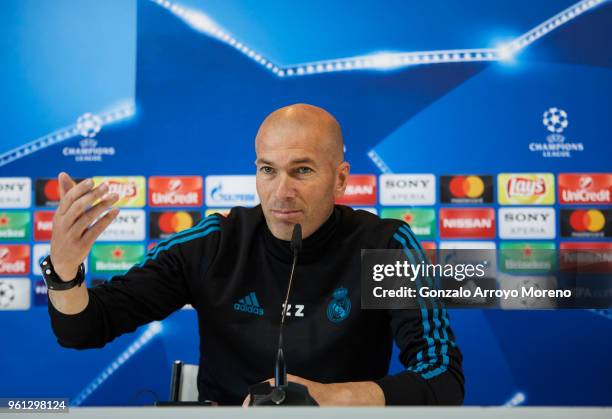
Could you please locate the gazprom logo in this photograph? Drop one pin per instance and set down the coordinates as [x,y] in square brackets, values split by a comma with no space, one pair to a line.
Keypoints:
[218,195]
[231,191]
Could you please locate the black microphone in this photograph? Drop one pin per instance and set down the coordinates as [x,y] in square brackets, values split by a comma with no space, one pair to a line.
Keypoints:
[280,368]
[283,392]
[296,241]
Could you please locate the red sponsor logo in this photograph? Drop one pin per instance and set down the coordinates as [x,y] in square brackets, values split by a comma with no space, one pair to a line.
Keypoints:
[360,190]
[586,256]
[43,225]
[177,191]
[51,190]
[14,259]
[586,188]
[592,220]
[466,186]
[467,223]
[522,186]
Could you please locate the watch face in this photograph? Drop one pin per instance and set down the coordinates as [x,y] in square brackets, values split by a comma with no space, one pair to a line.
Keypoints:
[44,266]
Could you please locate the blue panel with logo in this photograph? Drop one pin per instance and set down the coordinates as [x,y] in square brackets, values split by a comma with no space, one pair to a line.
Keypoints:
[453,110]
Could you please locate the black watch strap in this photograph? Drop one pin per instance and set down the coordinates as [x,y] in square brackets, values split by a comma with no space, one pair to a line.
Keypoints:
[54,282]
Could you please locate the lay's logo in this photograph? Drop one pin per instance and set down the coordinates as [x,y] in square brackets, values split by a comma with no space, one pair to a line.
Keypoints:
[131,190]
[526,188]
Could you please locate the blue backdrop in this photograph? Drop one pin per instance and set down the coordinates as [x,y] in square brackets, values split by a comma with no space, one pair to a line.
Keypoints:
[179,88]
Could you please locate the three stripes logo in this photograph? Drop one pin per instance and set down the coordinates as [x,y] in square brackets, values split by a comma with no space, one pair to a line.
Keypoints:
[249,304]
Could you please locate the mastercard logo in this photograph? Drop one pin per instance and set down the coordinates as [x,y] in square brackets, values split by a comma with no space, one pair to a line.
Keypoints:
[51,190]
[587,220]
[466,187]
[174,222]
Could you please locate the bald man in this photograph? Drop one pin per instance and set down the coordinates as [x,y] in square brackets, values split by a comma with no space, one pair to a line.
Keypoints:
[233,270]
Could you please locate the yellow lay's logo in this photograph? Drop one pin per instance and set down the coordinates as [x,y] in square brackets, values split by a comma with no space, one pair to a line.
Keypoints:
[131,189]
[526,188]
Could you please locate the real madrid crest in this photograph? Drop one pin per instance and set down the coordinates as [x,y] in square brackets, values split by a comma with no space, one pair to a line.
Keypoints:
[340,306]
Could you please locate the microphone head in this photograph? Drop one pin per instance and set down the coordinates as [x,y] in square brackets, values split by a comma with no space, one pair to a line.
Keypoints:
[296,238]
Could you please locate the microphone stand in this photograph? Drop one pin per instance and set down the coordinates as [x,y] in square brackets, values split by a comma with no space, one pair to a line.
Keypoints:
[283,393]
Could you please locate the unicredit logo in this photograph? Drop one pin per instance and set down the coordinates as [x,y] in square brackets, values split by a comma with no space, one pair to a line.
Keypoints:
[585,189]
[525,187]
[16,267]
[14,259]
[174,185]
[175,191]
[585,196]
[173,198]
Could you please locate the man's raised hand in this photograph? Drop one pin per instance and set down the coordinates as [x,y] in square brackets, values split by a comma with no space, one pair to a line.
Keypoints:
[73,233]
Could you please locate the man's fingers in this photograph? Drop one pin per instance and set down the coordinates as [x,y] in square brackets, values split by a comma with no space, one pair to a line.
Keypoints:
[81,224]
[246,401]
[82,204]
[65,183]
[94,231]
[73,194]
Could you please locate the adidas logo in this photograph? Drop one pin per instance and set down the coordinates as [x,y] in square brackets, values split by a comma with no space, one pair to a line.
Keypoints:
[249,304]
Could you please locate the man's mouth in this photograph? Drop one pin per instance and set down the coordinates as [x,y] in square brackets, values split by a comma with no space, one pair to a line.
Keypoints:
[286,213]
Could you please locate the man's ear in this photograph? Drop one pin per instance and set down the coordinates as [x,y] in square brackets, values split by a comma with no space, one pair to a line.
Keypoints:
[342,175]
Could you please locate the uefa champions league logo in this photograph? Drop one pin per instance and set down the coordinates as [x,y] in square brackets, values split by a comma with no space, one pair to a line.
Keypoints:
[88,125]
[555,120]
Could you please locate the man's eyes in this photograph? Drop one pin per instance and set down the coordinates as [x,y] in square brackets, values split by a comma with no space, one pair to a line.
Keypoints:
[304,170]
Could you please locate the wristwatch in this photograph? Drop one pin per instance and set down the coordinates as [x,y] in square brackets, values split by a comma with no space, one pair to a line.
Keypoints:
[53,280]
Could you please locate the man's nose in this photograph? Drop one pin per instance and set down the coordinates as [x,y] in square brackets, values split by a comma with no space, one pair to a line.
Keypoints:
[286,187]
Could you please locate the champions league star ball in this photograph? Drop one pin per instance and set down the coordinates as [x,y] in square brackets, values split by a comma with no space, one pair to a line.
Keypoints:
[555,120]
[89,125]
[7,294]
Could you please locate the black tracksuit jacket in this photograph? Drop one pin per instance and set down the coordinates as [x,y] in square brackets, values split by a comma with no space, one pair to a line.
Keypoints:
[234,272]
